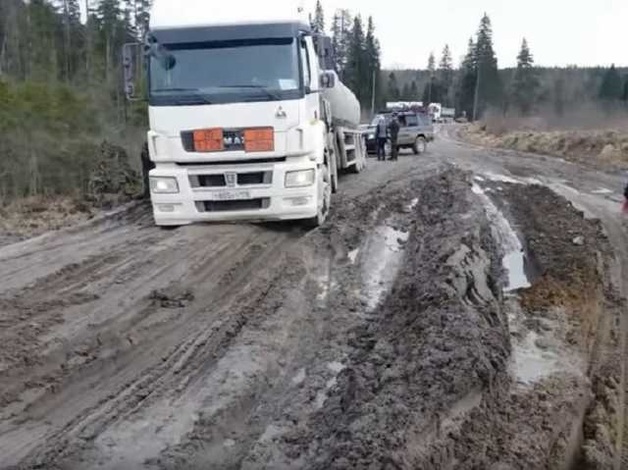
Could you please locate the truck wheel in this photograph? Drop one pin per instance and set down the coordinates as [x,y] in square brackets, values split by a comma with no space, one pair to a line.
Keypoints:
[147,165]
[420,145]
[324,202]
[334,172]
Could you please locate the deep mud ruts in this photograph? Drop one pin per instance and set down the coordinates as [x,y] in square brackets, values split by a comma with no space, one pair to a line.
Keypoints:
[382,340]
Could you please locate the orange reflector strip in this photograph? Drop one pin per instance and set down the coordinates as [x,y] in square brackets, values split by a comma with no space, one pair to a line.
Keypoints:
[208,140]
[259,140]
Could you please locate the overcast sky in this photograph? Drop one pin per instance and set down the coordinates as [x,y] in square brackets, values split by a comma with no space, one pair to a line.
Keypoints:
[560,32]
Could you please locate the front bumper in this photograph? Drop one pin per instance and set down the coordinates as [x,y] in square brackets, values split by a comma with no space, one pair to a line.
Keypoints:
[264,201]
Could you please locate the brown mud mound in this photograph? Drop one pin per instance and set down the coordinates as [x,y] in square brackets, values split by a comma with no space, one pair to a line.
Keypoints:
[573,298]
[424,359]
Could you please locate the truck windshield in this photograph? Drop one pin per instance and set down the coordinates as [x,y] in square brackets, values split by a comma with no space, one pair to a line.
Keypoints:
[225,72]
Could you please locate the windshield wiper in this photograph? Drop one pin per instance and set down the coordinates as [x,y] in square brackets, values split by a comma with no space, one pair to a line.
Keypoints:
[269,92]
[192,94]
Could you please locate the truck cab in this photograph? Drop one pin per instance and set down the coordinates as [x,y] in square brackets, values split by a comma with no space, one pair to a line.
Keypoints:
[237,121]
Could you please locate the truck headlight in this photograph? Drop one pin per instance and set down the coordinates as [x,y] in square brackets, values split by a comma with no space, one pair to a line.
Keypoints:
[164,185]
[300,179]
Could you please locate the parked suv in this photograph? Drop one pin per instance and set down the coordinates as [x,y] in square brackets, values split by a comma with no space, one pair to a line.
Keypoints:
[416,130]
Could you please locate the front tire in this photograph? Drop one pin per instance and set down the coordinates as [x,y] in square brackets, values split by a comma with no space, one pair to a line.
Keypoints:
[420,145]
[324,198]
[147,165]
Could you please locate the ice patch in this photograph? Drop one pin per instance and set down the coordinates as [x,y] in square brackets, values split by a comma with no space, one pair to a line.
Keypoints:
[385,248]
[502,178]
[602,191]
[478,178]
[353,255]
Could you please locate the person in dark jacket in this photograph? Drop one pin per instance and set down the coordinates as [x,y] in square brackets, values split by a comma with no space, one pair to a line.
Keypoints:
[393,127]
[381,134]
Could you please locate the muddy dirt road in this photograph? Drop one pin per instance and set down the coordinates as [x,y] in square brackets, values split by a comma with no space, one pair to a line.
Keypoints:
[456,311]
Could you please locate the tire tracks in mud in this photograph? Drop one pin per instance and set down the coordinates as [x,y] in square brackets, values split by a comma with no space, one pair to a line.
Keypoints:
[107,354]
[140,319]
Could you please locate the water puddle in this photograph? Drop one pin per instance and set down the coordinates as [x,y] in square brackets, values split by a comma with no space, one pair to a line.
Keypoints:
[513,261]
[537,355]
[385,248]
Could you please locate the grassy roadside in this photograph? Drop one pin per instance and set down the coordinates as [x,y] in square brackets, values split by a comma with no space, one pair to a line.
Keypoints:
[600,148]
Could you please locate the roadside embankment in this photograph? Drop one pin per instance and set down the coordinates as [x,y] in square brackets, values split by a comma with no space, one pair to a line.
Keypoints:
[600,148]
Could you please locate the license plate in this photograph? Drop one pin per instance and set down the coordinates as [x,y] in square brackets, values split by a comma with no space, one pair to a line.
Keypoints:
[231,195]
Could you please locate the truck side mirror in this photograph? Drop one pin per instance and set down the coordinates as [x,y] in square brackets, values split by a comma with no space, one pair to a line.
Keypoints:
[327,80]
[131,61]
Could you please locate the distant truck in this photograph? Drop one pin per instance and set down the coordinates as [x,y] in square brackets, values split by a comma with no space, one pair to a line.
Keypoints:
[435,111]
[248,121]
[448,114]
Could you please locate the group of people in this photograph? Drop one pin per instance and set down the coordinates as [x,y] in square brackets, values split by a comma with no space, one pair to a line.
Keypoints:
[385,131]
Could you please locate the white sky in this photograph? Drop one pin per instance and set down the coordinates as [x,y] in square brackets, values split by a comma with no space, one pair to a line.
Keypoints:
[559,32]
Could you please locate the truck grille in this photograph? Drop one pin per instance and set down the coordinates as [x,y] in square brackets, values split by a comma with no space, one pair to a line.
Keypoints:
[241,179]
[237,205]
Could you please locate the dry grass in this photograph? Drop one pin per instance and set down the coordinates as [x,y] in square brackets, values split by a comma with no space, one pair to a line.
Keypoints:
[36,215]
[603,147]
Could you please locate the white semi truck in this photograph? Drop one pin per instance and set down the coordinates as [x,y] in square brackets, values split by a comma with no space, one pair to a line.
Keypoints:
[248,121]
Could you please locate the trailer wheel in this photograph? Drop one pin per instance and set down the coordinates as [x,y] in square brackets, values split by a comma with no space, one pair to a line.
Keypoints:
[334,171]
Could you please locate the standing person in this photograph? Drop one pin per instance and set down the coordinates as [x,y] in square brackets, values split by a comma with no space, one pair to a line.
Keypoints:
[393,127]
[381,134]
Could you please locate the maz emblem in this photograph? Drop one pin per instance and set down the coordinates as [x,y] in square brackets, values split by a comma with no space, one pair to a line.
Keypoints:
[230,179]
[281,114]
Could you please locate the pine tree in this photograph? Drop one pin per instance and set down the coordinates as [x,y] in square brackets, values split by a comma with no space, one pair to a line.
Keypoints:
[393,93]
[611,88]
[414,91]
[405,93]
[431,63]
[625,95]
[341,35]
[446,75]
[318,24]
[558,92]
[356,65]
[488,85]
[431,69]
[525,87]
[372,60]
[468,77]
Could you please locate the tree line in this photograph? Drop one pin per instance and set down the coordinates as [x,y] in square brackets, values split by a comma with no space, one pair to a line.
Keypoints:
[60,91]
[356,52]
[479,85]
